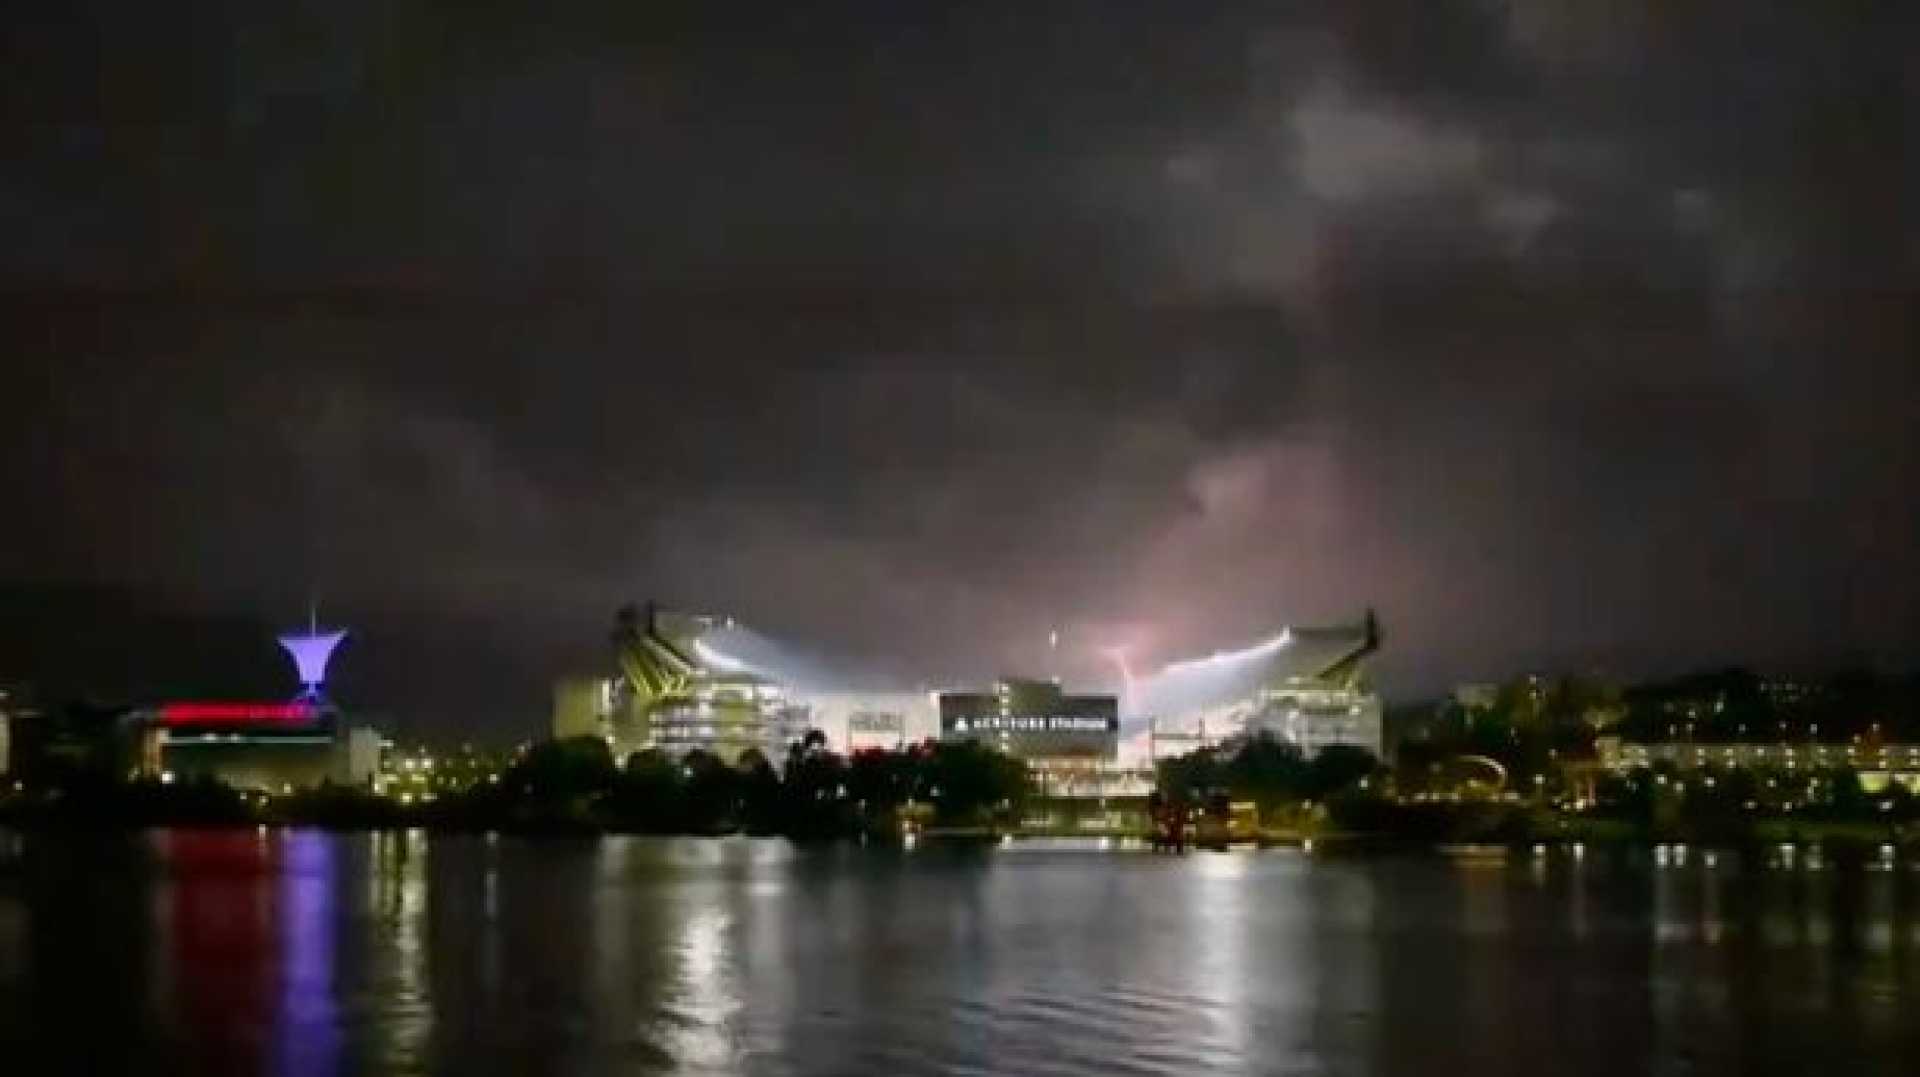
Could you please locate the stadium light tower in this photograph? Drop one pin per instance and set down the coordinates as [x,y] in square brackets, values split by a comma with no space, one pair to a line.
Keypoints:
[311,651]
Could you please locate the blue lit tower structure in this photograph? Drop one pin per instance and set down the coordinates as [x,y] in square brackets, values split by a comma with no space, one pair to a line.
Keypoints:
[311,651]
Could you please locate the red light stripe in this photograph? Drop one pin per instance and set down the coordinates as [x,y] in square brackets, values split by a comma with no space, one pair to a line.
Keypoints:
[207,713]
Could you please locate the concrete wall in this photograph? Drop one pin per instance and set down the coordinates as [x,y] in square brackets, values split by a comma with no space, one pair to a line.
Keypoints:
[853,720]
[268,767]
[357,756]
[580,707]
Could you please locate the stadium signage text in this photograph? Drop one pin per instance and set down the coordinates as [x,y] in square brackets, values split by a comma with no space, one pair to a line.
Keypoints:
[1035,723]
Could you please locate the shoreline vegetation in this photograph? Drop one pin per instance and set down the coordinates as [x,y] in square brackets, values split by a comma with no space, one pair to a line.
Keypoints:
[1259,793]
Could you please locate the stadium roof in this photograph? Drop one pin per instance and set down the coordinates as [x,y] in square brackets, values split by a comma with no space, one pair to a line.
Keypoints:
[1308,656]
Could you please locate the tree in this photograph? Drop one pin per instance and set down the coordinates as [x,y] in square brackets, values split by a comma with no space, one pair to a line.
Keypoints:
[1846,798]
[1267,771]
[565,771]
[711,801]
[880,780]
[814,789]
[759,788]
[1191,777]
[970,783]
[1336,767]
[650,791]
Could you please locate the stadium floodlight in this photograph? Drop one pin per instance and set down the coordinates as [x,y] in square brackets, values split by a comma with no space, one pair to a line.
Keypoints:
[1228,658]
[718,659]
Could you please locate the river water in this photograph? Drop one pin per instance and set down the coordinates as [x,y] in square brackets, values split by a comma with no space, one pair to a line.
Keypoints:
[307,953]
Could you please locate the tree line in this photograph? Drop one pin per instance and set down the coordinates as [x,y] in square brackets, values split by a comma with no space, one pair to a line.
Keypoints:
[1275,776]
[576,784]
[818,793]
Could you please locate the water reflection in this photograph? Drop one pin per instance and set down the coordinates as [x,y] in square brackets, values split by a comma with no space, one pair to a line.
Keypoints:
[307,1034]
[310,954]
[1218,910]
[395,952]
[222,959]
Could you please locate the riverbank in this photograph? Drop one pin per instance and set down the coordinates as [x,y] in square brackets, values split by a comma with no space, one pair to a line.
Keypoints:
[1348,822]
[1563,833]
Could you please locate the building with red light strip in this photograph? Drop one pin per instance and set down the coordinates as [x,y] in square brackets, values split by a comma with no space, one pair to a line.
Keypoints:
[265,746]
[268,746]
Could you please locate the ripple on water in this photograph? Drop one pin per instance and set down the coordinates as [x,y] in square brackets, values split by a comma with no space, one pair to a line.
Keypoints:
[1128,1029]
[944,963]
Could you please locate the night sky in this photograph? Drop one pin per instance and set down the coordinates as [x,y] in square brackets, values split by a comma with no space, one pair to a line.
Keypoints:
[1567,335]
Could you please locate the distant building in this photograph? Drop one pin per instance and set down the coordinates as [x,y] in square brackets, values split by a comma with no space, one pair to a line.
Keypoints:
[417,772]
[1476,697]
[1877,764]
[12,701]
[583,707]
[17,713]
[357,756]
[51,745]
[267,746]
[1787,693]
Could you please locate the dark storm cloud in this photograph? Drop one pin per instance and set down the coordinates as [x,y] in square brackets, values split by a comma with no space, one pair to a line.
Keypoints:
[1559,338]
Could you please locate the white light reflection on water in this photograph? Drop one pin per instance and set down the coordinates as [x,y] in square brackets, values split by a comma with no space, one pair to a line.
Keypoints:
[1483,894]
[1579,918]
[398,895]
[638,956]
[1669,911]
[1218,921]
[1713,925]
[702,1032]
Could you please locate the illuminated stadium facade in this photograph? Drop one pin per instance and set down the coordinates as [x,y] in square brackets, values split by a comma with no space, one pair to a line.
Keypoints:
[680,683]
[1306,686]
[674,692]
[1034,721]
[855,720]
[1070,743]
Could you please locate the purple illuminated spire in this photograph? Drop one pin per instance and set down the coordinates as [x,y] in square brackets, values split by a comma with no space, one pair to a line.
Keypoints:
[311,651]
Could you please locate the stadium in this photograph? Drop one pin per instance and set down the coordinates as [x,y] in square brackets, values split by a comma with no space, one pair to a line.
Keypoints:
[680,682]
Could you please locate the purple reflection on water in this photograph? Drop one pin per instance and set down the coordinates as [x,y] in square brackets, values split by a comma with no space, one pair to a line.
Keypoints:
[306,1035]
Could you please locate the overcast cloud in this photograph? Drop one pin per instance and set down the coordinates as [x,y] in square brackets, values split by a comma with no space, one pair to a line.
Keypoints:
[1560,339]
